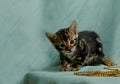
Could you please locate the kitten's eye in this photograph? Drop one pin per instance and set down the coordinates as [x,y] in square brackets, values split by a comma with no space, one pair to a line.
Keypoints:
[62,45]
[72,42]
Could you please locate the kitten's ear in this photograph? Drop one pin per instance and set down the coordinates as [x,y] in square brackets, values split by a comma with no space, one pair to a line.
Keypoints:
[73,27]
[51,36]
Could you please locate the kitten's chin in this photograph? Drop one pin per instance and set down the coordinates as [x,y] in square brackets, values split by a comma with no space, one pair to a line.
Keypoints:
[68,53]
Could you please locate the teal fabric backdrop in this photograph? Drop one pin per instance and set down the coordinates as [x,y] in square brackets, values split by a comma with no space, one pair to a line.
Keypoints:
[26,53]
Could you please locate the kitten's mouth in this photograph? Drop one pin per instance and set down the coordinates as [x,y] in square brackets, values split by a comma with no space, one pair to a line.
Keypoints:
[69,51]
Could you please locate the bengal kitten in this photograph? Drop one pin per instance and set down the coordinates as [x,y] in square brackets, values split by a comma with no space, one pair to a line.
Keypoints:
[78,49]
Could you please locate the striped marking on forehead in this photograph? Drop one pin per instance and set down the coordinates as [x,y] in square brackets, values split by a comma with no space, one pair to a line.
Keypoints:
[63,34]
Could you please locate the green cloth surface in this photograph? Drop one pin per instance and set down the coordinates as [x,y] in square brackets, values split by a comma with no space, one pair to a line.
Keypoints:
[26,53]
[52,76]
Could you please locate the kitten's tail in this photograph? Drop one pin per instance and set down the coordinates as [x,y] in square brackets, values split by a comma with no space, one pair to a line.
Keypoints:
[106,61]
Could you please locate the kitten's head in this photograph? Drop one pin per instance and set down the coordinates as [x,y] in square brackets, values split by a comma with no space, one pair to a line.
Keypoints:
[65,40]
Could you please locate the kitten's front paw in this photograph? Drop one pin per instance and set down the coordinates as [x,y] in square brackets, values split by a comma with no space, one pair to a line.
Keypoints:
[65,68]
[69,68]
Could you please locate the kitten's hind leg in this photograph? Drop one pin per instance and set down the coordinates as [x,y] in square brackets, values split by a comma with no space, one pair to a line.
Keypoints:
[106,61]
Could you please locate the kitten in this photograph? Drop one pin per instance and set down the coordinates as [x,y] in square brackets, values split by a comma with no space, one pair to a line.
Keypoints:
[78,49]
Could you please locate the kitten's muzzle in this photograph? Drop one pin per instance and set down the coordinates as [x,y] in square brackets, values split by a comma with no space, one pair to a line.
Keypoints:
[70,50]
